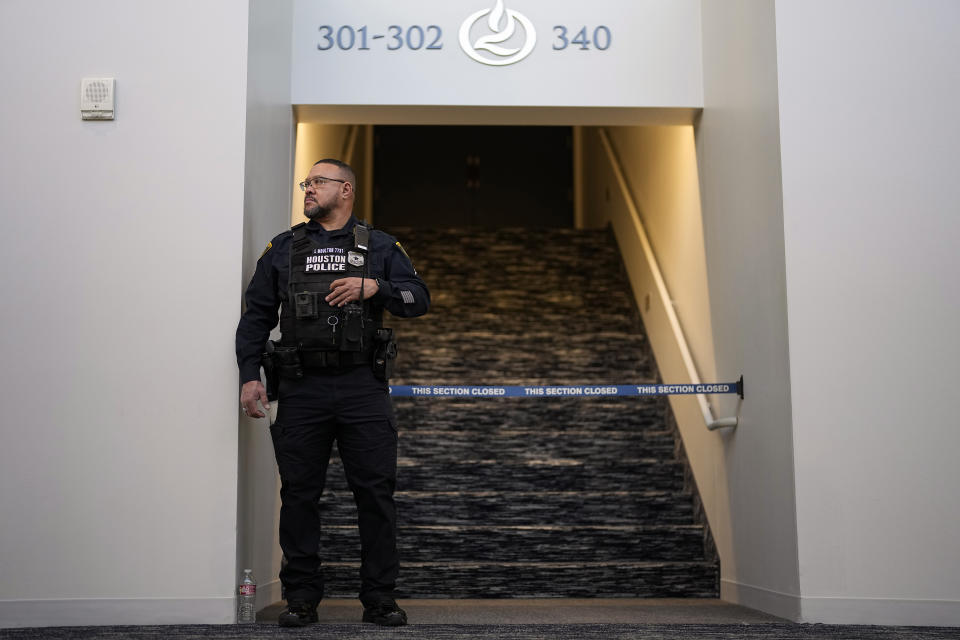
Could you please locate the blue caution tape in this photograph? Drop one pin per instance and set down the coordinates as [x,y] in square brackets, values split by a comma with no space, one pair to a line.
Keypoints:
[410,391]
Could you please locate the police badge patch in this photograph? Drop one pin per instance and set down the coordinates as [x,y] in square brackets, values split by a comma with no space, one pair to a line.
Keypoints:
[354,258]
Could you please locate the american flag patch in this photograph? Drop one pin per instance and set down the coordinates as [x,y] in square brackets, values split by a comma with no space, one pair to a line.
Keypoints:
[407,296]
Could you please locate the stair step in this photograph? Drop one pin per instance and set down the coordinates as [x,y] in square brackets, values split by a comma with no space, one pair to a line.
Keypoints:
[521,445]
[569,349]
[425,429]
[645,416]
[441,325]
[556,474]
[486,543]
[537,579]
[614,362]
[426,442]
[518,508]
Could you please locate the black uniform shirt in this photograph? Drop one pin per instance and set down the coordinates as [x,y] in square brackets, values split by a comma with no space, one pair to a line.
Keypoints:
[402,292]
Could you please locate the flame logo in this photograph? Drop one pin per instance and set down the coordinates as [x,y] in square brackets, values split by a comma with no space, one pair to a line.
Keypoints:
[502,25]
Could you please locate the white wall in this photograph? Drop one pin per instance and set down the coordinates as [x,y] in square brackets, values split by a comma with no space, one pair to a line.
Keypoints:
[118,468]
[660,165]
[869,136]
[739,159]
[266,212]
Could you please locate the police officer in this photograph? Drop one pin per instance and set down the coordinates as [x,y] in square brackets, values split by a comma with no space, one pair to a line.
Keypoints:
[330,278]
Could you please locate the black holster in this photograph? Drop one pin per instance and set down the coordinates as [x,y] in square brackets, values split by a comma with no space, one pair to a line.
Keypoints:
[280,362]
[384,353]
[270,371]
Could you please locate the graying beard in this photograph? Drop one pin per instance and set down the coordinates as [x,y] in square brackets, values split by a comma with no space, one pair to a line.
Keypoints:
[316,212]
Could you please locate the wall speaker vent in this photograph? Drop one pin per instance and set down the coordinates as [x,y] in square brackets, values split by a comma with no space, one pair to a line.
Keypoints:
[97,98]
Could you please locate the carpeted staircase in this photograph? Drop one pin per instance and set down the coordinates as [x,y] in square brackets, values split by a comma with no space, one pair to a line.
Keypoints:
[511,497]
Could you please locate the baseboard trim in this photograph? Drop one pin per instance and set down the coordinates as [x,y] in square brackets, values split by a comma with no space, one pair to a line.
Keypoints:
[882,611]
[867,611]
[785,605]
[121,611]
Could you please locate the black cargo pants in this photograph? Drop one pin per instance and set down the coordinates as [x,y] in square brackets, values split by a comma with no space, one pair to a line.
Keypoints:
[352,408]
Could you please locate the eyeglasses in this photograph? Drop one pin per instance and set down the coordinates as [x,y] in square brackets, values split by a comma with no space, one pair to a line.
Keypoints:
[317,182]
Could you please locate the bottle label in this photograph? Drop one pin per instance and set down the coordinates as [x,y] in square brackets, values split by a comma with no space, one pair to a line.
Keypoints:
[248,589]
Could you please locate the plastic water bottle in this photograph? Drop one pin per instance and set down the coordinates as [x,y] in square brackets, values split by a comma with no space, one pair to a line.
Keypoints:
[247,600]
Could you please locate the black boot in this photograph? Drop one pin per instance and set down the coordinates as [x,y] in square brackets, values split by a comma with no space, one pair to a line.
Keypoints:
[298,614]
[386,613]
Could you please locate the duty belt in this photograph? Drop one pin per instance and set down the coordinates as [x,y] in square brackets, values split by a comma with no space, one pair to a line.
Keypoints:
[311,359]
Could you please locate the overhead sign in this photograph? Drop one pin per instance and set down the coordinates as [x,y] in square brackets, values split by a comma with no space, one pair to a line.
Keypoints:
[642,53]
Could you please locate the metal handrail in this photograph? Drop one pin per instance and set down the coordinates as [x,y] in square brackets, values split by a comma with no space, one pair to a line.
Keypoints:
[708,417]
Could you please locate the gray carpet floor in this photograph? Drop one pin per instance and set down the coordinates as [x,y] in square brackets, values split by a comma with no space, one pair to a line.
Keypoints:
[780,631]
[521,619]
[532,611]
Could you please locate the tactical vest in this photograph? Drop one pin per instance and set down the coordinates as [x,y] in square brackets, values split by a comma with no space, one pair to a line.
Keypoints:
[307,321]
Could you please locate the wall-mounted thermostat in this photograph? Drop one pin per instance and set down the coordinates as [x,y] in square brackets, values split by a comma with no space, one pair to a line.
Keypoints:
[97,98]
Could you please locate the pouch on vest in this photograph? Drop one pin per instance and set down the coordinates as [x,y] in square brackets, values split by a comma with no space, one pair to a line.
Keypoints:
[352,337]
[287,362]
[307,305]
